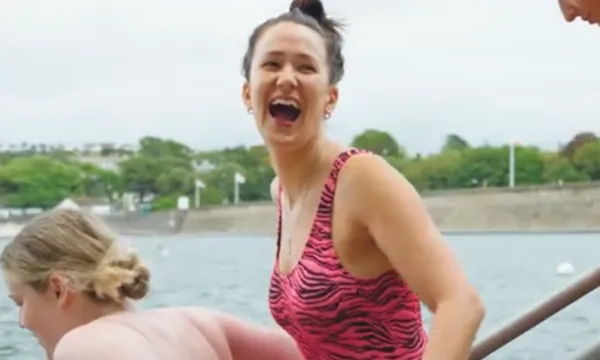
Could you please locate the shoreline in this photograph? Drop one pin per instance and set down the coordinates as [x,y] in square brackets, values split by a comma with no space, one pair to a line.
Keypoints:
[537,210]
[447,232]
[558,231]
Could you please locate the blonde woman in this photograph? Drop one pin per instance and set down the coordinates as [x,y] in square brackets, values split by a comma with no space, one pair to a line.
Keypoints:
[74,286]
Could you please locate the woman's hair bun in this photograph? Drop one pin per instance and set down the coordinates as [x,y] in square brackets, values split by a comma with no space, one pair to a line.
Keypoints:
[312,8]
[120,277]
[140,284]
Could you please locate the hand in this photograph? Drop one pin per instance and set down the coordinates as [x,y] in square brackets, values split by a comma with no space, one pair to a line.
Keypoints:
[587,10]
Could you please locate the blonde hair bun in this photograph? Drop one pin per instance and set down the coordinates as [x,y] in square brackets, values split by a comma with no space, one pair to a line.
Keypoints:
[120,276]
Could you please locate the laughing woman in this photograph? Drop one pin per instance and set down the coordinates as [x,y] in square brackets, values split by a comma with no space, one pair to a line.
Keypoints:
[356,249]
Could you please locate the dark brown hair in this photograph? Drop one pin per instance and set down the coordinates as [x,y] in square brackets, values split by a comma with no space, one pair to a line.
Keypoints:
[311,14]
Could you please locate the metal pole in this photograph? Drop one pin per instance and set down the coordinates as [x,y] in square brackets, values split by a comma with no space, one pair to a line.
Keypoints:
[197,197]
[591,353]
[236,190]
[511,164]
[536,315]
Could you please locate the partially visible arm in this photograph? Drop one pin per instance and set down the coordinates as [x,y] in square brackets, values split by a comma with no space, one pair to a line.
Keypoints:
[274,189]
[588,10]
[250,342]
[388,206]
[569,12]
[103,342]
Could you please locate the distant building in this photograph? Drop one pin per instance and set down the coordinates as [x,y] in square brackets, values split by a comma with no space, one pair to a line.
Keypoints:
[110,163]
[205,166]
[90,149]
[99,206]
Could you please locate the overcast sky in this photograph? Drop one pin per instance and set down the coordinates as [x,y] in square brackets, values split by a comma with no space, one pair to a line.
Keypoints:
[76,71]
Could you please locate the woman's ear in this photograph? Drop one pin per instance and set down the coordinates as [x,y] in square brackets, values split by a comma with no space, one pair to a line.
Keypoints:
[58,290]
[246,96]
[332,100]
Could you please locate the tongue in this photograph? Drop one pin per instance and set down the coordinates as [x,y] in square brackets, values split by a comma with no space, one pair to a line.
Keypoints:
[282,117]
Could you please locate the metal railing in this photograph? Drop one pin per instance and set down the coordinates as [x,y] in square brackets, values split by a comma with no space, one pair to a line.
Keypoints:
[538,314]
[592,353]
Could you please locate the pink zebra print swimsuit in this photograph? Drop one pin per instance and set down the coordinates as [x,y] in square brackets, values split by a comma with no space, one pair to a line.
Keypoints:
[333,315]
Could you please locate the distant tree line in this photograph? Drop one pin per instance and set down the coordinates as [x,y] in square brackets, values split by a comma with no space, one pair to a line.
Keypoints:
[163,169]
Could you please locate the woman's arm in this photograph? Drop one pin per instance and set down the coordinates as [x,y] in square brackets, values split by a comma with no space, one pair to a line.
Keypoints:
[390,208]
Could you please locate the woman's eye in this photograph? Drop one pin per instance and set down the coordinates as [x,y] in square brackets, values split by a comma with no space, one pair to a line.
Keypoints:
[270,64]
[307,68]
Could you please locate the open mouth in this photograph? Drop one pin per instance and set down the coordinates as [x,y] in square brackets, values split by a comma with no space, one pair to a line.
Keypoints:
[285,111]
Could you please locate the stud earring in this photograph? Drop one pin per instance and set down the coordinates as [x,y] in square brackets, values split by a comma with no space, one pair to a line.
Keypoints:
[249,111]
[327,115]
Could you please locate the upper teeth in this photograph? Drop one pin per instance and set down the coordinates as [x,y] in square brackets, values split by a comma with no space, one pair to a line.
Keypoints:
[286,102]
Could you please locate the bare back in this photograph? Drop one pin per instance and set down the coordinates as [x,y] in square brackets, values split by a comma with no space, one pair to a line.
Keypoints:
[190,333]
[169,333]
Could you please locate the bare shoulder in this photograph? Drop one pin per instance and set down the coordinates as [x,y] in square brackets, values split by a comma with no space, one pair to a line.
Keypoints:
[199,315]
[368,175]
[215,323]
[204,320]
[102,340]
[367,161]
[209,325]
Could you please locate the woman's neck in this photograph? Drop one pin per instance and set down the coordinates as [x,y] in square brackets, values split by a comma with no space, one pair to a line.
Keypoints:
[297,170]
[91,310]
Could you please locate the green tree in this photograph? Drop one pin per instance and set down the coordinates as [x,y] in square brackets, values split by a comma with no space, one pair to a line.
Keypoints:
[587,159]
[483,166]
[139,174]
[379,142]
[558,168]
[441,170]
[167,169]
[177,181]
[221,180]
[156,148]
[252,161]
[529,165]
[455,143]
[37,182]
[576,143]
[107,150]
[97,182]
[161,168]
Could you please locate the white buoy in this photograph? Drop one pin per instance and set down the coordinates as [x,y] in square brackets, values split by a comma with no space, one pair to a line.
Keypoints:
[564,269]
[164,252]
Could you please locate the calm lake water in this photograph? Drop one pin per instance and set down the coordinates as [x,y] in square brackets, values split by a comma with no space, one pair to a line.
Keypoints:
[232,274]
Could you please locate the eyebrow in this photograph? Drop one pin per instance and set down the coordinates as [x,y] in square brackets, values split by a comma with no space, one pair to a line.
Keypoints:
[278,53]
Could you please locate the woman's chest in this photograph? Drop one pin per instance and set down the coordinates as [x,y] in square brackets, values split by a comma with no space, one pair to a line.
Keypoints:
[312,293]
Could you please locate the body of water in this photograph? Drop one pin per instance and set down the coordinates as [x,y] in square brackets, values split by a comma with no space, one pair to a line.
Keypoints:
[512,272]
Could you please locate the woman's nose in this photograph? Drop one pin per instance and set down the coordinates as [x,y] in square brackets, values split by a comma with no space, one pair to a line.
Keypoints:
[287,78]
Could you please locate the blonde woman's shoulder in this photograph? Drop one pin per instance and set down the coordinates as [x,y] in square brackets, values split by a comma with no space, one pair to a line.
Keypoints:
[103,340]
